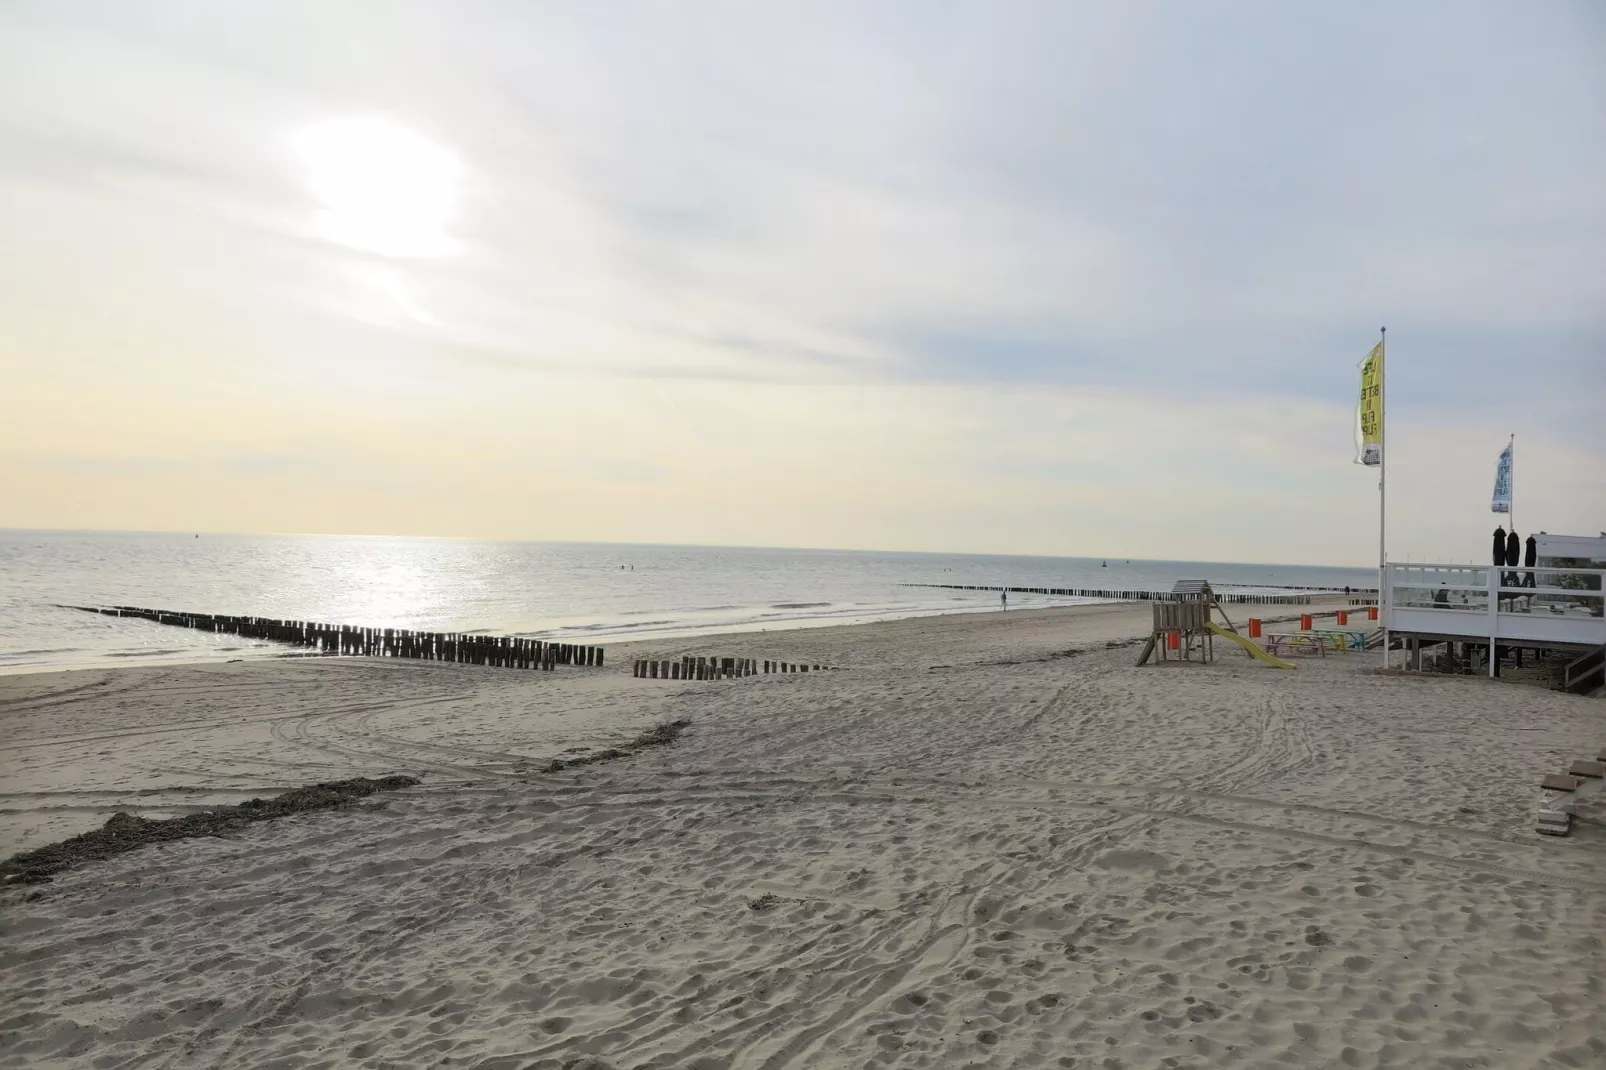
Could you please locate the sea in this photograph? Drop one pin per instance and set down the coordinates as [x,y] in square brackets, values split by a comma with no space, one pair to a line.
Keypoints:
[569,592]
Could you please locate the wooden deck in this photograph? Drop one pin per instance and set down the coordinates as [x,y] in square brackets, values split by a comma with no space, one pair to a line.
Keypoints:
[1531,608]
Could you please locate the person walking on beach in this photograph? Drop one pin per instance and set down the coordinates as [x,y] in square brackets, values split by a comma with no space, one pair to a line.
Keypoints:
[1003,599]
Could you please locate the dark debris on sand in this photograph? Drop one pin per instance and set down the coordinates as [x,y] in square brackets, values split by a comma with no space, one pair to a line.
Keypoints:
[660,735]
[127,832]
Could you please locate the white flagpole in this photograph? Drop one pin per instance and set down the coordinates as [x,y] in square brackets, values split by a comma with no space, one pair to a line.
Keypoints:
[1382,483]
[1511,483]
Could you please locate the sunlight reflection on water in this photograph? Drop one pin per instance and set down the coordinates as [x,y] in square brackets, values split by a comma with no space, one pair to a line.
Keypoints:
[590,590]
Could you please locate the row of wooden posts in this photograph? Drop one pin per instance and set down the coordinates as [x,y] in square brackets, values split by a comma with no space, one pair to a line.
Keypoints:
[499,651]
[1301,599]
[690,668]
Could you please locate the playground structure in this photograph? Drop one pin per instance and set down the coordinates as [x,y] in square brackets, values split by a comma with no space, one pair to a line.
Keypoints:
[1184,626]
[1180,629]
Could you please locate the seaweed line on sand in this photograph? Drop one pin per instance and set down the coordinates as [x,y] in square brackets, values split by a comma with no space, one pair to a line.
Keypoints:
[127,832]
[660,735]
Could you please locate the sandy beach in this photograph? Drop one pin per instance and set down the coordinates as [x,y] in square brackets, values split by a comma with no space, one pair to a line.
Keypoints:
[988,840]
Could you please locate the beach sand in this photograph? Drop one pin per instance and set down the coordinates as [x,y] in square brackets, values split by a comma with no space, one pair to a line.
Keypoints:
[989,840]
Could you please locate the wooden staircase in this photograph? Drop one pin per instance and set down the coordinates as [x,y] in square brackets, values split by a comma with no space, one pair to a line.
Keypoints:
[1585,674]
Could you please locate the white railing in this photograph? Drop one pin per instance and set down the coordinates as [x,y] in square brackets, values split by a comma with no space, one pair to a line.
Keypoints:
[1564,606]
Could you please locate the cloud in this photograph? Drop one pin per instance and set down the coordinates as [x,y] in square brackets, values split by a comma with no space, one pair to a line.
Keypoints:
[112,467]
[1073,266]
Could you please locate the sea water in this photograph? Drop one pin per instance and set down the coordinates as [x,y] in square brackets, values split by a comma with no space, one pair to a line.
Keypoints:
[578,592]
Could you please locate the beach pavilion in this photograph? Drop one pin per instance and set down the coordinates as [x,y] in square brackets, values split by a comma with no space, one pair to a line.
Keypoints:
[1556,604]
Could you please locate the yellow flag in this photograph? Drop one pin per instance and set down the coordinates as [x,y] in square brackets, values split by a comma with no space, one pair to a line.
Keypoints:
[1369,414]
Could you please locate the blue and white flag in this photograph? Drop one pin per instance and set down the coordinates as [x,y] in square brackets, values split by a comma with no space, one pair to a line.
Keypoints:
[1502,480]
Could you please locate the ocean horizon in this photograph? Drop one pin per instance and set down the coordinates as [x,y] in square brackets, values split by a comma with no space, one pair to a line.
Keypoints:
[581,592]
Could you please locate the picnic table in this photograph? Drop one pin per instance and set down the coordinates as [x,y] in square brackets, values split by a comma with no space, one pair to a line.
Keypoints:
[1311,642]
[1317,640]
[1355,638]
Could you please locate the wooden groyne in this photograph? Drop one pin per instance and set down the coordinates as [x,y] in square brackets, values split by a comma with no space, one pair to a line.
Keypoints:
[690,668]
[497,651]
[1301,599]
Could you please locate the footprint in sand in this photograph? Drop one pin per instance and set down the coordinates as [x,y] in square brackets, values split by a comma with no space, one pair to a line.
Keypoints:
[1128,860]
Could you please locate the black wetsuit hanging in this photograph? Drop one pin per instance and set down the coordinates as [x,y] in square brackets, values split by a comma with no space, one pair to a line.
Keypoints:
[1530,558]
[1500,554]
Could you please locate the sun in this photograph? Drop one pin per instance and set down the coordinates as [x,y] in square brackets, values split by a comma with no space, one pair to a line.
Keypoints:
[382,187]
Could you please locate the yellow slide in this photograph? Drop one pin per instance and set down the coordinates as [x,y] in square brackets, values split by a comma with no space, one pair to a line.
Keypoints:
[1250,648]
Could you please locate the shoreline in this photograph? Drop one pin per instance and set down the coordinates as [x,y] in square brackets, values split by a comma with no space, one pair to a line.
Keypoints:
[274,651]
[281,651]
[276,692]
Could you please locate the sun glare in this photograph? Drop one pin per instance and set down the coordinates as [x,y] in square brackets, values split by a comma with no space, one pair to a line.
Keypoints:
[383,187]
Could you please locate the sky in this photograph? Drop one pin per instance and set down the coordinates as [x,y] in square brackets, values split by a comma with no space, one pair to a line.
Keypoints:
[1056,278]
